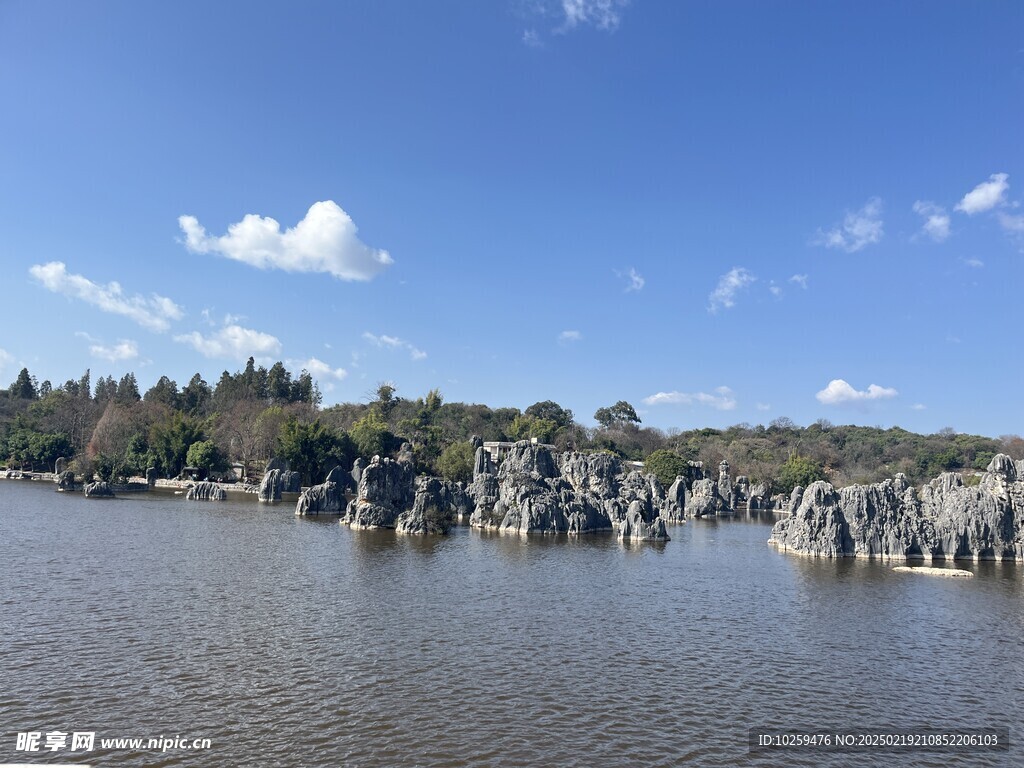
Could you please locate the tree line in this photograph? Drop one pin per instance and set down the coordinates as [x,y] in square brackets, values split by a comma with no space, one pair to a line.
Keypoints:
[111,430]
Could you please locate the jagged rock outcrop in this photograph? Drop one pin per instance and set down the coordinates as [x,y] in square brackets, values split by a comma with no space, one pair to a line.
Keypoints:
[279,481]
[675,501]
[387,488]
[324,499]
[640,524]
[535,492]
[206,491]
[66,481]
[151,476]
[99,490]
[357,472]
[435,507]
[944,519]
[725,487]
[759,497]
[704,500]
[60,466]
[291,482]
[741,491]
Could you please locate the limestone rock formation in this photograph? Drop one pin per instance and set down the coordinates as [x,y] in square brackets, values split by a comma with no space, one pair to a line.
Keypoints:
[435,507]
[66,481]
[270,487]
[535,492]
[60,466]
[205,491]
[325,499]
[99,490]
[675,501]
[291,482]
[759,497]
[704,499]
[943,519]
[387,488]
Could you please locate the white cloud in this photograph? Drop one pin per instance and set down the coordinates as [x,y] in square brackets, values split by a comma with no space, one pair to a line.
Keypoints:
[570,336]
[234,342]
[729,284]
[154,313]
[603,14]
[531,38]
[1010,223]
[123,350]
[839,392]
[775,290]
[858,230]
[918,407]
[723,399]
[319,369]
[393,342]
[800,280]
[764,407]
[324,241]
[976,263]
[936,224]
[6,358]
[985,196]
[636,281]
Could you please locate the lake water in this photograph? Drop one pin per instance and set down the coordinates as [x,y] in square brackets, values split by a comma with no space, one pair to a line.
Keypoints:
[298,642]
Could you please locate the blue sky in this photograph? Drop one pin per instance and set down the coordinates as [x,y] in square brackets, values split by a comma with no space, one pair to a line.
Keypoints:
[720,212]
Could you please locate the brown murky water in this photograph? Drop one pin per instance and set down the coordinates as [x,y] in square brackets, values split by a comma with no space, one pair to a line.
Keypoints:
[297,642]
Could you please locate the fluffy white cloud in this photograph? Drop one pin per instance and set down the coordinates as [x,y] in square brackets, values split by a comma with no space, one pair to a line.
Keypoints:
[729,284]
[936,220]
[393,342]
[722,399]
[975,263]
[839,392]
[858,230]
[603,14]
[320,370]
[570,336]
[800,280]
[123,350]
[234,342]
[154,312]
[985,196]
[774,289]
[324,241]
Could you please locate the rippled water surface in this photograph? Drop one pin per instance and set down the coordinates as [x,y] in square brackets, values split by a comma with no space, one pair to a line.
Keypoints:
[298,642]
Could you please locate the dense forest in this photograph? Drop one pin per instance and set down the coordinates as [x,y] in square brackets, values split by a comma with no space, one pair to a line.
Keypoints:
[111,430]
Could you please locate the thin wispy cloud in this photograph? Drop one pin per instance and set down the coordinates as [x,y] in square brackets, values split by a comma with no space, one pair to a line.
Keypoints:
[154,312]
[634,280]
[974,263]
[569,336]
[936,220]
[918,407]
[531,38]
[985,196]
[839,392]
[774,289]
[393,342]
[729,284]
[800,280]
[722,399]
[6,358]
[324,241]
[124,349]
[763,406]
[233,342]
[858,229]
[1012,224]
[603,14]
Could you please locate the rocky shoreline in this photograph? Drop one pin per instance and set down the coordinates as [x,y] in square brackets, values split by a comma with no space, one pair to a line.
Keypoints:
[943,520]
